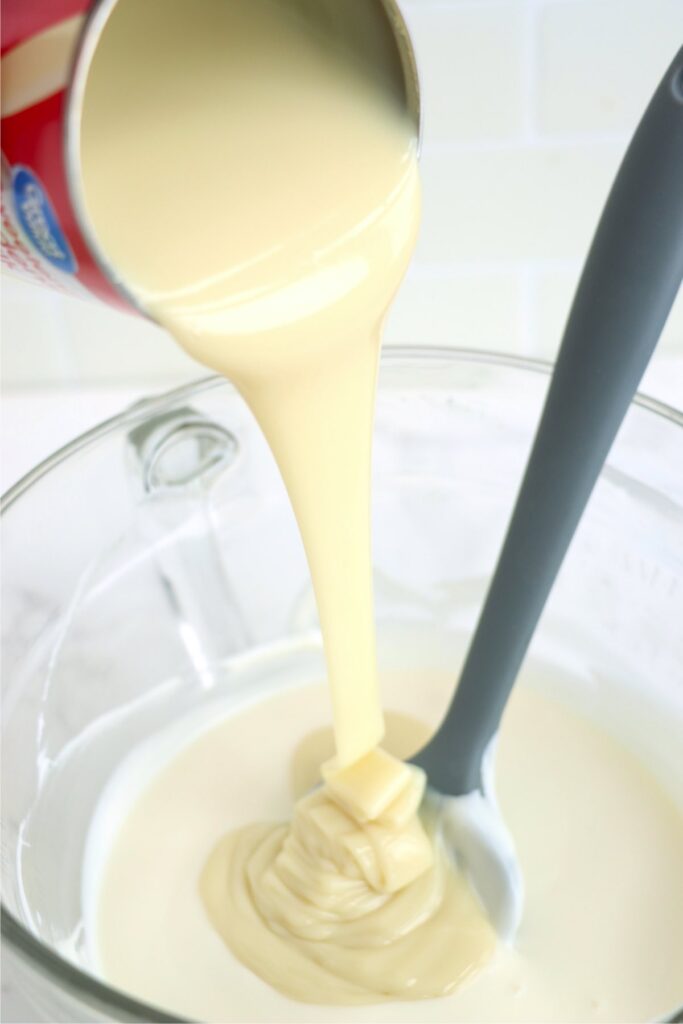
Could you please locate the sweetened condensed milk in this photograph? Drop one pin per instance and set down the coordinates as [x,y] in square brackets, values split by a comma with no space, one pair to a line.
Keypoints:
[258,189]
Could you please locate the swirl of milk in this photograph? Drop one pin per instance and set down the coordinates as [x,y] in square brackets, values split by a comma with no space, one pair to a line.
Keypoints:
[355,900]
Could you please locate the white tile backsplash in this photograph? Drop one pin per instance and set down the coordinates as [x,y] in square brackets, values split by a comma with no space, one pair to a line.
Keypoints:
[513,203]
[48,338]
[471,64]
[100,336]
[527,106]
[470,308]
[599,61]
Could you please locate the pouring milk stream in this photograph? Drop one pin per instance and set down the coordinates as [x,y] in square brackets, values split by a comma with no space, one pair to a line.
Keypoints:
[275,264]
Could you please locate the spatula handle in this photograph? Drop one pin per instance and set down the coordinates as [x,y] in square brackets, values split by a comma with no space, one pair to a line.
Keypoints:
[631,276]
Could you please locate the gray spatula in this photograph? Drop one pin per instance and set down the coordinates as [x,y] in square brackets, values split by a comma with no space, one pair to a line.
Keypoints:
[631,276]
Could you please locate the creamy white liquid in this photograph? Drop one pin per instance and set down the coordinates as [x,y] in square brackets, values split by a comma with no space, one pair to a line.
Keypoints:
[600,844]
[259,192]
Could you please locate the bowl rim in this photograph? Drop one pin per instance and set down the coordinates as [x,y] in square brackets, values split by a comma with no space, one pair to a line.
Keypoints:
[142,409]
[98,995]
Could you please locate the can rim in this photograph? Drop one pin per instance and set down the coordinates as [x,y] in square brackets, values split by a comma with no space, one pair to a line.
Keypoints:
[96,19]
[91,31]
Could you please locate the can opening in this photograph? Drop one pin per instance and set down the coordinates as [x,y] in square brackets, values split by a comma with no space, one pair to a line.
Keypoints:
[372,32]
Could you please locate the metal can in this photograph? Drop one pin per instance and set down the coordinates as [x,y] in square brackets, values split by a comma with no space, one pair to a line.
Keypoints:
[41,234]
[46,49]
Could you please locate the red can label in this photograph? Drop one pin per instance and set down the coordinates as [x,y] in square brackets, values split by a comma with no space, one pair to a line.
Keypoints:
[41,237]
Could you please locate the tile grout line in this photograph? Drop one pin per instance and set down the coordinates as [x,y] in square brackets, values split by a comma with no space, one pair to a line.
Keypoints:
[523,142]
[470,268]
[526,312]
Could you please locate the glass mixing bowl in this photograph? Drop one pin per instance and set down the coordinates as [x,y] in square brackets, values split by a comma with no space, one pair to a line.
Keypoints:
[151,553]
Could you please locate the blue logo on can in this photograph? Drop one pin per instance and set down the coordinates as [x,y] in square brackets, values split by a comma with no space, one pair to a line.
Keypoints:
[39,221]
